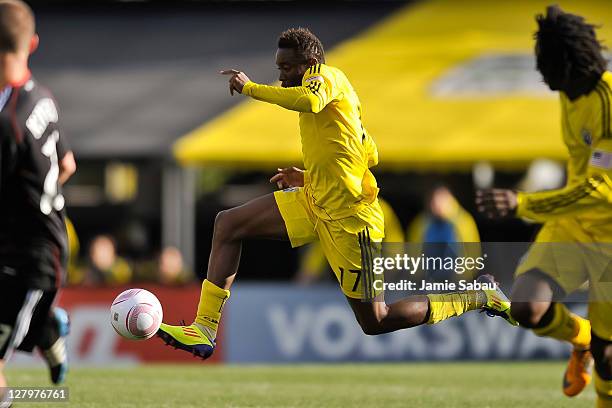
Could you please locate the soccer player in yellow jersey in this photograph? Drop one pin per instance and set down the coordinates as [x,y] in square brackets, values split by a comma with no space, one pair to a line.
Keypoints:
[333,201]
[574,244]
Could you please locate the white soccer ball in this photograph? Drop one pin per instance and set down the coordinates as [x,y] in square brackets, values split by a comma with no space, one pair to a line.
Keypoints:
[136,314]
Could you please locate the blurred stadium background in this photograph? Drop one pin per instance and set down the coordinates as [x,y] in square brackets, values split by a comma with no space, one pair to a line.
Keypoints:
[450,95]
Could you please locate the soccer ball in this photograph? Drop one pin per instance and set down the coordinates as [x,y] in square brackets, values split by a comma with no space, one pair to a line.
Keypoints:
[136,314]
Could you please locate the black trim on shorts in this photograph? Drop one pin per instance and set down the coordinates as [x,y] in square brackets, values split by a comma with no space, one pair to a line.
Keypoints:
[365,247]
[18,318]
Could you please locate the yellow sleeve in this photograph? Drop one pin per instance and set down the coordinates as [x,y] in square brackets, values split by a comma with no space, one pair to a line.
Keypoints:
[576,197]
[316,91]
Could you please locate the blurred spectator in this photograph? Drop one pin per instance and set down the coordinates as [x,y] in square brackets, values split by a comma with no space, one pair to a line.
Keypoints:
[167,269]
[312,259]
[104,266]
[444,221]
[171,270]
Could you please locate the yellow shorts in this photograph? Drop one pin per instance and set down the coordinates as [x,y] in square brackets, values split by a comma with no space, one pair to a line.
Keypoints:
[349,243]
[572,256]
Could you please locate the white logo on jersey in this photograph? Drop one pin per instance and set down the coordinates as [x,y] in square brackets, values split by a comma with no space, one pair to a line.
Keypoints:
[43,113]
[51,198]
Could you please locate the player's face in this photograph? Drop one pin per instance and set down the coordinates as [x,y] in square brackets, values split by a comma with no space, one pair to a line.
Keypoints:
[291,67]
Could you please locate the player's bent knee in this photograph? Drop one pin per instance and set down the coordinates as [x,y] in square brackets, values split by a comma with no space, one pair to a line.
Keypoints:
[221,228]
[225,228]
[371,328]
[373,324]
[529,314]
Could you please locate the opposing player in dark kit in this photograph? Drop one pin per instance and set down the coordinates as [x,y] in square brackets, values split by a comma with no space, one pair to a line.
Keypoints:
[34,163]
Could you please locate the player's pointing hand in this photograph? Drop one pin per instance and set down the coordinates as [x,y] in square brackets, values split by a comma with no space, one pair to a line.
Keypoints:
[236,81]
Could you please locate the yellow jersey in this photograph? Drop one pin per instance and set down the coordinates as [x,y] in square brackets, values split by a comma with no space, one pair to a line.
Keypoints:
[587,196]
[336,148]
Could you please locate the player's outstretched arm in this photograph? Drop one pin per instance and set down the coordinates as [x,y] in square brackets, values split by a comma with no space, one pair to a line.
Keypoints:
[546,205]
[575,198]
[312,98]
[578,195]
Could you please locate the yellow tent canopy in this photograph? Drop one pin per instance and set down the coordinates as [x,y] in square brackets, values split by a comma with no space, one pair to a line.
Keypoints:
[443,84]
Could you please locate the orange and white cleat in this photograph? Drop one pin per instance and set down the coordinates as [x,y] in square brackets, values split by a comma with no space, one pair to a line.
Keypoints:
[578,373]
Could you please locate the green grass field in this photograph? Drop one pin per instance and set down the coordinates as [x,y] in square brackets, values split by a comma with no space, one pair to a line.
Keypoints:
[356,385]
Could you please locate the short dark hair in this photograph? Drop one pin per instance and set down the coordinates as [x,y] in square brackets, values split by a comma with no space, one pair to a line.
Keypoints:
[304,42]
[567,48]
[16,26]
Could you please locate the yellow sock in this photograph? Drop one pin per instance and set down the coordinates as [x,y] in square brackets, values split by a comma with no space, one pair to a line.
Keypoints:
[568,327]
[212,300]
[446,305]
[604,392]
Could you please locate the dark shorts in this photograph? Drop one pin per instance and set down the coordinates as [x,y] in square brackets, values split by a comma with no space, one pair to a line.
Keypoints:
[24,311]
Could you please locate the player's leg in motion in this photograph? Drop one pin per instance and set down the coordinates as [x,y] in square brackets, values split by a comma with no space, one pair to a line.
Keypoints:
[377,317]
[533,307]
[354,253]
[19,304]
[259,218]
[51,343]
[48,330]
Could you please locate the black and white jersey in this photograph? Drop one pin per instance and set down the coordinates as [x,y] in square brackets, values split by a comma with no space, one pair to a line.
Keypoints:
[33,241]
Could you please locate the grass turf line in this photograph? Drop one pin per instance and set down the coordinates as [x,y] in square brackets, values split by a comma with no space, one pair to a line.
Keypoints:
[439,385]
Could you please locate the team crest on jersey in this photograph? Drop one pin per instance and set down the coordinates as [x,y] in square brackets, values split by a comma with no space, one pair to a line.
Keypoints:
[586,137]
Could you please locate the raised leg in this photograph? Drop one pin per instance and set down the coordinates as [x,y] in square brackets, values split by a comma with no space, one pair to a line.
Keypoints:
[259,218]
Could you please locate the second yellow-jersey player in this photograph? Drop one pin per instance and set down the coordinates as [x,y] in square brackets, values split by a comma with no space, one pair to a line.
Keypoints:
[581,212]
[574,245]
